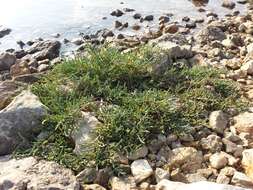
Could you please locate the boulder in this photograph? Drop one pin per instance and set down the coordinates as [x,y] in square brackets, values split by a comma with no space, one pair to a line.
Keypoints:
[244,123]
[210,33]
[29,173]
[48,49]
[20,121]
[175,51]
[141,170]
[186,158]
[170,185]
[218,121]
[83,134]
[6,61]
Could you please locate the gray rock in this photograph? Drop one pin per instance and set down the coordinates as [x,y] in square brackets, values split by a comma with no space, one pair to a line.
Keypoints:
[117,13]
[148,18]
[191,178]
[139,153]
[161,174]
[45,50]
[29,173]
[77,41]
[6,61]
[175,51]
[188,159]
[212,143]
[20,121]
[87,176]
[137,16]
[43,67]
[218,121]
[210,33]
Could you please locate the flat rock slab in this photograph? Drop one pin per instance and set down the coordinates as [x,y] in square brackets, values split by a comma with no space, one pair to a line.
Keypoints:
[29,173]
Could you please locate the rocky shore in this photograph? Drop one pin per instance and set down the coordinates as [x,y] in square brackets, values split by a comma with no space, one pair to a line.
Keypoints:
[218,156]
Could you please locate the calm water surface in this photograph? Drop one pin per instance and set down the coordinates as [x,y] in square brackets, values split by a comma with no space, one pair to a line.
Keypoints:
[30,19]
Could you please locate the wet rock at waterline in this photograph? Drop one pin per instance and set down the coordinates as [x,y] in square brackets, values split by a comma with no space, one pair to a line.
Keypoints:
[4,32]
[45,50]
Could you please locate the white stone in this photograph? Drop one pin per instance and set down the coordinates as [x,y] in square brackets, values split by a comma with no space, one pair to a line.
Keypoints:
[218,121]
[141,170]
[218,160]
[244,123]
[248,67]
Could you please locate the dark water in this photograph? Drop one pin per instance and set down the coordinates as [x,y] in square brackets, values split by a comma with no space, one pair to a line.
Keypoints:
[30,19]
